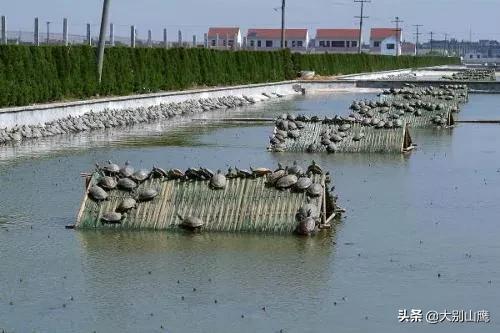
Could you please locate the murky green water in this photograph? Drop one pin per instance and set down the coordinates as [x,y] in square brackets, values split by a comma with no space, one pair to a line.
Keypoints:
[408,219]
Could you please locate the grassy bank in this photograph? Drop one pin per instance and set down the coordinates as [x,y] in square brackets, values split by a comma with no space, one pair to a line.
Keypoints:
[30,74]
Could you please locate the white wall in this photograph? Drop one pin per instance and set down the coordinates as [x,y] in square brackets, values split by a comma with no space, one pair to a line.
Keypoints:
[390,40]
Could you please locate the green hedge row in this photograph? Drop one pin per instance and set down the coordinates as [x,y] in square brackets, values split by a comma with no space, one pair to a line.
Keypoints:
[336,64]
[30,74]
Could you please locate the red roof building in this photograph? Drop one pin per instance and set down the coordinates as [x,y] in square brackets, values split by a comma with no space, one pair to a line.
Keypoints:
[225,37]
[337,40]
[296,39]
[385,41]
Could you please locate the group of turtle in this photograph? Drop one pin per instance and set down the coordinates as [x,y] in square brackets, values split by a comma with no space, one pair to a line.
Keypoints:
[472,75]
[113,177]
[119,118]
[444,92]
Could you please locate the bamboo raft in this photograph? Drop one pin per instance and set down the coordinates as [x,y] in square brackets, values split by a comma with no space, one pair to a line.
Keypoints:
[244,205]
[394,140]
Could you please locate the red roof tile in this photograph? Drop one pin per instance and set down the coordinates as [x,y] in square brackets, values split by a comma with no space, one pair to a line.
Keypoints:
[338,33]
[222,32]
[276,33]
[382,33]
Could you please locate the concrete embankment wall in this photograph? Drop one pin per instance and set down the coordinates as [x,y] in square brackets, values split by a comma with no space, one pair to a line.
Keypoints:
[39,114]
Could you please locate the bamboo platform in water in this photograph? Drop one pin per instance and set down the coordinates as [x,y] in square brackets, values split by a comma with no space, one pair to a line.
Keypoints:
[244,205]
[394,140]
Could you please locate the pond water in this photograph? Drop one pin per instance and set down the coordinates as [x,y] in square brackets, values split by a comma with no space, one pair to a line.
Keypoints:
[421,232]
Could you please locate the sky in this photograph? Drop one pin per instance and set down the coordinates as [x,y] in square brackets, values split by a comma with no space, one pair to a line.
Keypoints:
[460,19]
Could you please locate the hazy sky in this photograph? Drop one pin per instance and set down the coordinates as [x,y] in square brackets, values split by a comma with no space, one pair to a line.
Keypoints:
[455,17]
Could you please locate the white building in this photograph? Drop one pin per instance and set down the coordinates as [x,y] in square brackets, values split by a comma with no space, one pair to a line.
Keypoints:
[385,41]
[224,37]
[268,39]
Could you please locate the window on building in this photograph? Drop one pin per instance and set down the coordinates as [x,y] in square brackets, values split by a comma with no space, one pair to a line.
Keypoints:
[223,42]
[347,43]
[391,46]
[354,43]
[479,56]
[213,42]
[321,43]
[231,42]
[259,43]
[471,56]
[338,43]
[300,43]
[252,43]
[269,43]
[286,43]
[294,43]
[376,44]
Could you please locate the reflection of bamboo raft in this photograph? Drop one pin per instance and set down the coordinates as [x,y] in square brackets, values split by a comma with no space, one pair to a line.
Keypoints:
[245,205]
[394,140]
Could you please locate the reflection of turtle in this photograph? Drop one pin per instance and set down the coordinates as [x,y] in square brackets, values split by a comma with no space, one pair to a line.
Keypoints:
[306,226]
[190,222]
[96,193]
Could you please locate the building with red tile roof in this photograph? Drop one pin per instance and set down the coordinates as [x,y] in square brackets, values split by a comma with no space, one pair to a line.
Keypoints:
[337,40]
[267,39]
[224,37]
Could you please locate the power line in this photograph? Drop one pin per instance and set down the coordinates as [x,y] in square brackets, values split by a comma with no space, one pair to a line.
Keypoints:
[417,33]
[361,17]
[398,34]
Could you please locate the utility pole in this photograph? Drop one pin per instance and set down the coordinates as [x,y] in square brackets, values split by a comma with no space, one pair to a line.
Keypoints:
[446,43]
[398,34]
[283,4]
[418,33]
[102,37]
[361,17]
[432,35]
[48,31]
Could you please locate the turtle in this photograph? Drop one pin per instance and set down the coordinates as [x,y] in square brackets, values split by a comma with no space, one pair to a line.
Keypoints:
[218,181]
[299,124]
[381,124]
[398,123]
[286,181]
[336,138]
[332,148]
[312,148]
[302,184]
[126,205]
[158,172]
[295,169]
[126,184]
[275,176]
[107,183]
[294,134]
[207,173]
[315,190]
[308,210]
[190,222]
[127,170]
[306,226]
[231,173]
[97,193]
[358,136]
[141,175]
[111,218]
[345,127]
[111,168]
[260,172]
[193,173]
[243,173]
[315,169]
[146,195]
[175,174]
